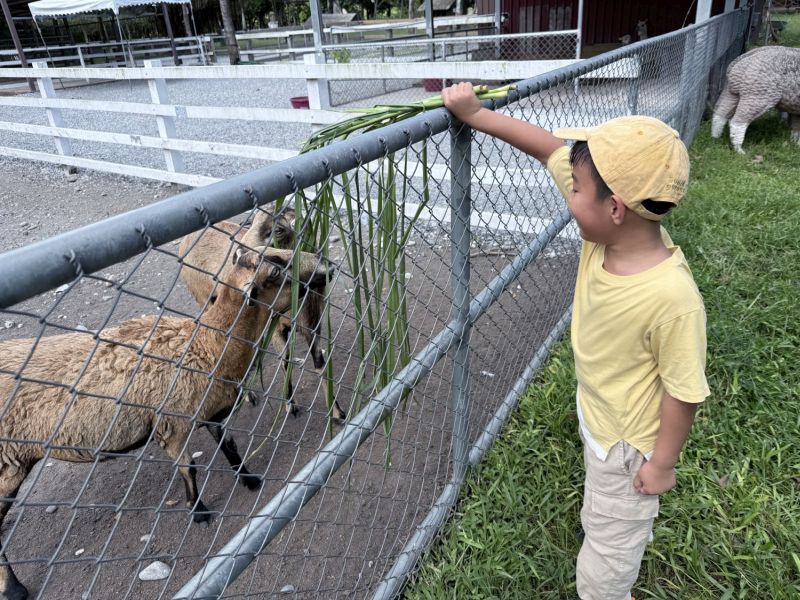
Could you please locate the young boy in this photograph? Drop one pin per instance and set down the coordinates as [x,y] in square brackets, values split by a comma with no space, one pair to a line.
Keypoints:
[638,324]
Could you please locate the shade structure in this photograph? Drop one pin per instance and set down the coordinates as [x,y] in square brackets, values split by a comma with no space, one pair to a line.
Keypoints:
[56,8]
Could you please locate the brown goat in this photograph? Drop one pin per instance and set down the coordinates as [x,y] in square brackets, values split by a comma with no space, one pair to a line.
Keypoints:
[204,254]
[81,397]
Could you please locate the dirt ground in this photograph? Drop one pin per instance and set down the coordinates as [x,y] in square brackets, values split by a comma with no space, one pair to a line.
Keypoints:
[81,530]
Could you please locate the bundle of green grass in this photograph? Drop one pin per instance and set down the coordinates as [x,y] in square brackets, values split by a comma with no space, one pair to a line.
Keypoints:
[381,115]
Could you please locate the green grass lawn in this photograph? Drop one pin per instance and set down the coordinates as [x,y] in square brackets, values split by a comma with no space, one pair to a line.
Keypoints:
[731,528]
[790,36]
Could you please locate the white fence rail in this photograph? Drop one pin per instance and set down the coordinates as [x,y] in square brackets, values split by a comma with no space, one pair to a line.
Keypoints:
[167,113]
[114,54]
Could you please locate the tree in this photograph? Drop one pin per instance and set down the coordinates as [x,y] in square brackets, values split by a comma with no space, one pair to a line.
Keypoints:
[230,31]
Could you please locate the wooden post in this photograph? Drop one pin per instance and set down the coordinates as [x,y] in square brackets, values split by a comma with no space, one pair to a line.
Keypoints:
[292,55]
[166,125]
[63,145]
[318,95]
[187,21]
[168,26]
[703,12]
[82,60]
[15,37]
[101,26]
[69,31]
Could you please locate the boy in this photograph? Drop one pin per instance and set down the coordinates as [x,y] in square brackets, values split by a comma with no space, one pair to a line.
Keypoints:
[638,324]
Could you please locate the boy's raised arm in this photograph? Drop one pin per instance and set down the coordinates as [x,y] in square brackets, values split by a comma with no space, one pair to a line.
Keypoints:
[461,100]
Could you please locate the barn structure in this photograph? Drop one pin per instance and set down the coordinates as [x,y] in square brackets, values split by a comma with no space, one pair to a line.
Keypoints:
[605,23]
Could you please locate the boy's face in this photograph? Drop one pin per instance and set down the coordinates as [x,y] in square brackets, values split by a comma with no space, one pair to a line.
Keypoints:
[592,214]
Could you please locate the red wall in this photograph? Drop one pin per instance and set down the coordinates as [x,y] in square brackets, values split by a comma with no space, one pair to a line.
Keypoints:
[604,21]
[540,15]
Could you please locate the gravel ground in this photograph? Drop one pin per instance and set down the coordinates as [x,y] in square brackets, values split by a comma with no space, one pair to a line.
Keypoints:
[248,92]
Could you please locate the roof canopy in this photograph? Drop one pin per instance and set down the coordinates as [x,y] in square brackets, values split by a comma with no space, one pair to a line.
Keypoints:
[51,8]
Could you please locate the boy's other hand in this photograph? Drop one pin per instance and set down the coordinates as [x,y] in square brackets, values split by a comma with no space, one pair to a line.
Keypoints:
[460,99]
[654,480]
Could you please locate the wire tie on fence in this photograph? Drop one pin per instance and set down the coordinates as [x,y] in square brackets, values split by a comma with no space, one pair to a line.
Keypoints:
[293,181]
[385,146]
[203,215]
[147,240]
[328,169]
[252,195]
[407,133]
[357,155]
[72,259]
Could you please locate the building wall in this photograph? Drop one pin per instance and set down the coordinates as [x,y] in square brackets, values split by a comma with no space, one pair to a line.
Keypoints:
[604,21]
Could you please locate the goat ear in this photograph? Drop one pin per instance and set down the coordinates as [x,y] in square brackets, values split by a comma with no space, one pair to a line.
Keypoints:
[246,258]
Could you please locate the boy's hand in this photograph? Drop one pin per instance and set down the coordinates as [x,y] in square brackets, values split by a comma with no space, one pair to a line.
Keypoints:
[654,480]
[460,99]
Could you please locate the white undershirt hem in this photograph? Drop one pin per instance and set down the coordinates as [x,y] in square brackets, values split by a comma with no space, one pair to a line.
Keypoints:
[593,444]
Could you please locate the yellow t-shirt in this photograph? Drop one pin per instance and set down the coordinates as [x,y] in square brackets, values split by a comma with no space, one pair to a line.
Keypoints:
[633,337]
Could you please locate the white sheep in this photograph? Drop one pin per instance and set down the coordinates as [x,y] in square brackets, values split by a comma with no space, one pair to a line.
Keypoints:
[204,254]
[81,397]
[756,82]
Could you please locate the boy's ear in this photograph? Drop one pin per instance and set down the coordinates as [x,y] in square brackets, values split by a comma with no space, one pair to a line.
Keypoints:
[617,209]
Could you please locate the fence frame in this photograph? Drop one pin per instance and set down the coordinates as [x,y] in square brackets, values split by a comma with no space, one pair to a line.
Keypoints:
[60,259]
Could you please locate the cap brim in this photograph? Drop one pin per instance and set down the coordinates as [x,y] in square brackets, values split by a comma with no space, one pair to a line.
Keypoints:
[573,133]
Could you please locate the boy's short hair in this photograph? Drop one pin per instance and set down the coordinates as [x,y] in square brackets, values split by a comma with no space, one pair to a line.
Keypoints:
[580,154]
[641,159]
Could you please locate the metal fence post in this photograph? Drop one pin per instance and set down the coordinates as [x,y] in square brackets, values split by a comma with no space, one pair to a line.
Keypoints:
[460,238]
[633,87]
[166,125]
[685,83]
[46,89]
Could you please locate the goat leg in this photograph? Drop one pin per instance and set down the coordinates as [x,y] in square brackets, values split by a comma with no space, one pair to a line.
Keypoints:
[175,448]
[11,479]
[228,446]
[280,343]
[291,407]
[311,320]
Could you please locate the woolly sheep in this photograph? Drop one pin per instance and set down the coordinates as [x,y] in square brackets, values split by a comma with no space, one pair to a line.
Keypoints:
[111,393]
[757,81]
[204,253]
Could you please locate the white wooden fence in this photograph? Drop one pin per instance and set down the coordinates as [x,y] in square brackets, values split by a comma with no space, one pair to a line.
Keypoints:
[275,45]
[166,113]
[113,54]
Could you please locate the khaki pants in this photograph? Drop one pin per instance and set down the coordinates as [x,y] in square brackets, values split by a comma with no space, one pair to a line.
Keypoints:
[617,522]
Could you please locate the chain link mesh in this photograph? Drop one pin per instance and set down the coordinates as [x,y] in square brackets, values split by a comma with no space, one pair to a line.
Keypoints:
[132,363]
[553,45]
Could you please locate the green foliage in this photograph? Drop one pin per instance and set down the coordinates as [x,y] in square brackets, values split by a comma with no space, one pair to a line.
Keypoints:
[342,55]
[790,36]
[731,529]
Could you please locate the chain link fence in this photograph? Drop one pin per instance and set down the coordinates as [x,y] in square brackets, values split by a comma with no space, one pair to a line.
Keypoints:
[548,45]
[430,268]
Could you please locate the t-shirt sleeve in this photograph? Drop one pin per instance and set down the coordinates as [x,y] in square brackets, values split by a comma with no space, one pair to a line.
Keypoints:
[560,170]
[679,347]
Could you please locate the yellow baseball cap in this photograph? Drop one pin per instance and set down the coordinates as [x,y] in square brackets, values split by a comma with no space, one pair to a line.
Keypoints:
[639,158]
